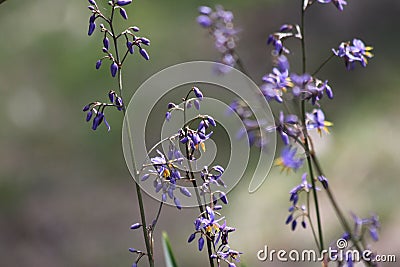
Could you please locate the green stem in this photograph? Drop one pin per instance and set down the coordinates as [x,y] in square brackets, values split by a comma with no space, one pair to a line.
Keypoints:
[306,143]
[311,223]
[193,179]
[338,211]
[146,234]
[312,178]
[303,43]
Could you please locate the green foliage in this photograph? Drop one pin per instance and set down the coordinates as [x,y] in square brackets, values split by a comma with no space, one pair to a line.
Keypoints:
[168,254]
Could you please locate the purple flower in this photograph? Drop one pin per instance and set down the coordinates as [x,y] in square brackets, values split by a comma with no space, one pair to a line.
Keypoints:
[114,69]
[144,53]
[288,159]
[205,10]
[123,2]
[123,13]
[355,52]
[201,243]
[197,93]
[275,84]
[220,23]
[98,64]
[129,45]
[106,42]
[92,27]
[204,21]
[338,3]
[285,31]
[316,120]
[98,120]
[323,181]
[135,226]
[288,126]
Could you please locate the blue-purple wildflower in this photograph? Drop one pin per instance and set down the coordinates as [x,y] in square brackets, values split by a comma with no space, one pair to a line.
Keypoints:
[289,160]
[354,52]
[219,22]
[316,120]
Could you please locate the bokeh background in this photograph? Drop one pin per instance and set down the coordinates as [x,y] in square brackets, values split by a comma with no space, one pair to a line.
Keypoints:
[66,197]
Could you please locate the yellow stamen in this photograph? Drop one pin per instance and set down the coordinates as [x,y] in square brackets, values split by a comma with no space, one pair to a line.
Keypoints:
[166,173]
[203,147]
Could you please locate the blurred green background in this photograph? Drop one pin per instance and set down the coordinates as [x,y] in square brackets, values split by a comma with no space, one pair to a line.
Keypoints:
[66,198]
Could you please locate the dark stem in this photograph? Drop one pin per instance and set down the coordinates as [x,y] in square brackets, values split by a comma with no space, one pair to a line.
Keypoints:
[312,178]
[153,225]
[146,235]
[306,143]
[338,211]
[323,64]
[193,179]
[311,223]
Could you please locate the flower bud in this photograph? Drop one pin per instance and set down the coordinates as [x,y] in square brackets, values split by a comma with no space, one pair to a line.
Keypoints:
[123,13]
[144,54]
[113,69]
[123,2]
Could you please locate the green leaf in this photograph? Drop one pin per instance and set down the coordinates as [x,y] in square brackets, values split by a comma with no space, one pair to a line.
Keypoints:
[168,254]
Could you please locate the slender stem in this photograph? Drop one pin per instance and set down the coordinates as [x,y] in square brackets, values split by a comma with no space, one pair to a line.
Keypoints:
[153,225]
[303,43]
[311,223]
[306,144]
[312,178]
[338,211]
[146,234]
[193,179]
[323,64]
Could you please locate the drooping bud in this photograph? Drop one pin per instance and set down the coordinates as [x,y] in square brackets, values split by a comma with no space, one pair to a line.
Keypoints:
[123,13]
[113,69]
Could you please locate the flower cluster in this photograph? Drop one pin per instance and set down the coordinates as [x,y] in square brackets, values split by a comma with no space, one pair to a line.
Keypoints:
[97,109]
[166,174]
[219,22]
[354,52]
[117,59]
[280,82]
[301,90]
[285,31]
[252,126]
[208,227]
[363,227]
[296,211]
[129,34]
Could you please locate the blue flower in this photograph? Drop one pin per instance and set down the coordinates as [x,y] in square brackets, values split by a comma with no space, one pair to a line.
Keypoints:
[123,2]
[288,159]
[197,93]
[275,84]
[285,31]
[338,3]
[123,13]
[220,25]
[166,174]
[355,52]
[114,69]
[288,126]
[316,120]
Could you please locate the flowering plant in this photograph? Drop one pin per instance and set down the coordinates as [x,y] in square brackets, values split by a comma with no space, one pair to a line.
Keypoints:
[173,170]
